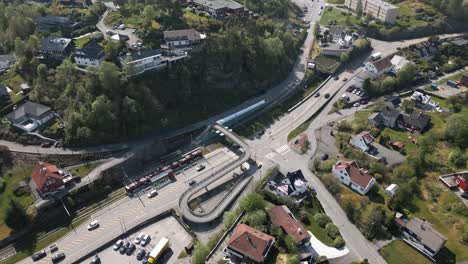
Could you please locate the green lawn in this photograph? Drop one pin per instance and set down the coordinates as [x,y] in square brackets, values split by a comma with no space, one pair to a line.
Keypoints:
[84,170]
[403,137]
[397,252]
[193,19]
[408,16]
[336,16]
[81,41]
[318,232]
[20,171]
[12,80]
[336,2]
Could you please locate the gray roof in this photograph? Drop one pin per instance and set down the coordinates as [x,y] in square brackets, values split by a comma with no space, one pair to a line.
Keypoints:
[417,119]
[3,90]
[30,109]
[219,4]
[143,53]
[429,237]
[91,50]
[184,34]
[9,58]
[391,114]
[55,44]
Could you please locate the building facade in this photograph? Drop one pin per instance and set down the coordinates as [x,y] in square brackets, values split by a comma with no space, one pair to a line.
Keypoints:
[349,174]
[30,116]
[378,9]
[90,55]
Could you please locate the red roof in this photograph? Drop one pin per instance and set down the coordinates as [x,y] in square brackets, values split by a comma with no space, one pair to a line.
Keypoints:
[282,216]
[367,136]
[44,172]
[250,242]
[358,176]
[382,64]
[461,179]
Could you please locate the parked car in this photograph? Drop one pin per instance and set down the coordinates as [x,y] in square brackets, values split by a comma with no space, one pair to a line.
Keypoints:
[122,27]
[325,156]
[108,32]
[356,104]
[140,254]
[114,27]
[345,79]
[317,95]
[38,255]
[58,257]
[93,225]
[53,248]
[130,249]
[146,238]
[192,182]
[200,167]
[117,244]
[46,145]
[124,247]
[95,260]
[152,194]
[336,78]
[364,102]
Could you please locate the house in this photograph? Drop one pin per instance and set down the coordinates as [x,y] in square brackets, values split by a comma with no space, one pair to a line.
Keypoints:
[119,37]
[91,54]
[464,80]
[75,3]
[417,120]
[398,62]
[48,178]
[422,100]
[148,59]
[291,184]
[181,38]
[4,95]
[421,236]
[387,117]
[57,48]
[282,217]
[30,116]
[363,141]
[221,8]
[379,67]
[378,9]
[6,61]
[457,180]
[391,189]
[349,174]
[248,245]
[54,23]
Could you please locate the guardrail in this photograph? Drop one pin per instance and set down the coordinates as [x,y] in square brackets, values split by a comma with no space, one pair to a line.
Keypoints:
[310,95]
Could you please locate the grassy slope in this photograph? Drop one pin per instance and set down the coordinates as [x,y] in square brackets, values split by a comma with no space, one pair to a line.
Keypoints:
[397,252]
[335,14]
[84,170]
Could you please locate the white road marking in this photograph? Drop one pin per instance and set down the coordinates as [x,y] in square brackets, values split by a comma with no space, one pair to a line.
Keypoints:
[283,149]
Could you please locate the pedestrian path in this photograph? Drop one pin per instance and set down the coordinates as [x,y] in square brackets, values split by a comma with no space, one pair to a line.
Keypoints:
[324,250]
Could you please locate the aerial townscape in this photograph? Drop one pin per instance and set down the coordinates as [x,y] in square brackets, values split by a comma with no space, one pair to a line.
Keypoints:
[234,131]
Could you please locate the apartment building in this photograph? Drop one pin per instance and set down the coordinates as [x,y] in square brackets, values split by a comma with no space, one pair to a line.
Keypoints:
[378,9]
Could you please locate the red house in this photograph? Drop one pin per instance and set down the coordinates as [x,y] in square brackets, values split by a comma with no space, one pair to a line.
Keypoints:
[462,182]
[48,178]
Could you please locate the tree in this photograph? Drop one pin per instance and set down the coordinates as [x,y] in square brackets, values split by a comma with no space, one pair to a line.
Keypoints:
[290,244]
[252,202]
[293,260]
[322,219]
[456,129]
[457,158]
[465,233]
[332,230]
[256,219]
[229,218]
[406,74]
[16,217]
[373,222]
[344,57]
[359,8]
[339,242]
[388,84]
[408,106]
[199,254]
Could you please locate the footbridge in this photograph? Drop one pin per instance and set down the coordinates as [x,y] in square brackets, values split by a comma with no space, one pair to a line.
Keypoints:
[218,210]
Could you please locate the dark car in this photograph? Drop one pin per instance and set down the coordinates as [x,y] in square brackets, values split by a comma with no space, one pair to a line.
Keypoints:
[38,255]
[325,156]
[192,182]
[317,95]
[95,260]
[124,247]
[58,257]
[130,249]
[140,254]
[46,145]
[336,78]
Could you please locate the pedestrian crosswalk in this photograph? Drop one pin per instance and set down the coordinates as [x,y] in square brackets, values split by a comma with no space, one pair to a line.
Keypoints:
[282,150]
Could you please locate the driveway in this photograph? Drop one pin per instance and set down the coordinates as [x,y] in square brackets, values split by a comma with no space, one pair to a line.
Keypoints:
[130,32]
[324,250]
[392,157]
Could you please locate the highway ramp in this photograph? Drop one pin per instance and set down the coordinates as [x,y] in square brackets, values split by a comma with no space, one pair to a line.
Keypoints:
[209,216]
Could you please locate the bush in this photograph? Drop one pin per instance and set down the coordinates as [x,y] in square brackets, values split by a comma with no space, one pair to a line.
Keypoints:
[252,202]
[465,233]
[339,242]
[322,219]
[332,230]
[2,185]
[200,252]
[290,244]
[293,260]
[304,218]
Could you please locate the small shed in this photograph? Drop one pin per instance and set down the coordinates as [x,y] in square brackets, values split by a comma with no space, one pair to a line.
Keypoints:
[391,190]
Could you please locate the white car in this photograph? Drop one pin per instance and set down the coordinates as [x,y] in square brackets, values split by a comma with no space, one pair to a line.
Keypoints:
[138,238]
[93,225]
[438,109]
[117,244]
[356,104]
[145,239]
[121,27]
[152,194]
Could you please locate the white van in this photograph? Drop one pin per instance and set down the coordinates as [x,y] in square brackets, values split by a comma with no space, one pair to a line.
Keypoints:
[138,238]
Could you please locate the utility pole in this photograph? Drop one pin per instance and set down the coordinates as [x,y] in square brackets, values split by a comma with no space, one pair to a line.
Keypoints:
[137,193]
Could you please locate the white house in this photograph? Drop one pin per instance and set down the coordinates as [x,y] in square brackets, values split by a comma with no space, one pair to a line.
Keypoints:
[423,100]
[181,38]
[144,60]
[291,184]
[391,189]
[362,141]
[381,66]
[91,54]
[30,116]
[349,174]
[398,62]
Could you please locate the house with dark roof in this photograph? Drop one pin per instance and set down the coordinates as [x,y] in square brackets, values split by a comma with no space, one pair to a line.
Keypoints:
[381,66]
[29,116]
[293,184]
[57,48]
[387,117]
[393,118]
[221,8]
[6,61]
[91,54]
[75,3]
[464,80]
[420,234]
[248,245]
[54,23]
[417,120]
[4,95]
[48,178]
[349,174]
[181,38]
[282,217]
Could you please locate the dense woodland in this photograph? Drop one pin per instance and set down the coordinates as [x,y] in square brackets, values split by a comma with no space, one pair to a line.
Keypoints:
[456,9]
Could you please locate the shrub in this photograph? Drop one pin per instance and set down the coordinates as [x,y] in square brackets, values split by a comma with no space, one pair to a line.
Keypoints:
[290,244]
[304,218]
[293,260]
[339,242]
[2,185]
[200,252]
[465,233]
[252,202]
[332,230]
[322,219]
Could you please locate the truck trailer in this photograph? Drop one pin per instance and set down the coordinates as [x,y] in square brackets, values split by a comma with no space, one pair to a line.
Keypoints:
[157,251]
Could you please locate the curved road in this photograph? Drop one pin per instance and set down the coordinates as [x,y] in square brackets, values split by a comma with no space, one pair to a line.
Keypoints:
[219,209]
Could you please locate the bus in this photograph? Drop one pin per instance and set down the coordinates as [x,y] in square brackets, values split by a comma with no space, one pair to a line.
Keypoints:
[157,251]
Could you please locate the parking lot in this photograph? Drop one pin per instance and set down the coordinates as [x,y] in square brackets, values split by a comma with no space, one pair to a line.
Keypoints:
[167,227]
